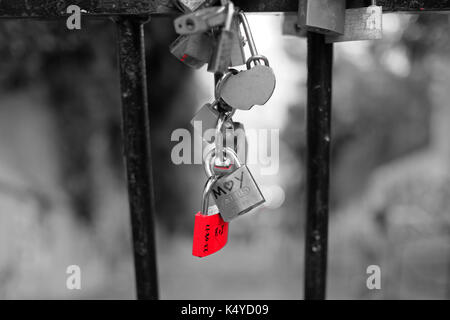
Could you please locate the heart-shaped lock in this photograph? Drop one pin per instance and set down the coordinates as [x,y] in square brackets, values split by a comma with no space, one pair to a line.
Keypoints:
[248,88]
[210,231]
[253,86]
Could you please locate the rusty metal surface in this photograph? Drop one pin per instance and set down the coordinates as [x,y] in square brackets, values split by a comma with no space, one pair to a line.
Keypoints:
[51,9]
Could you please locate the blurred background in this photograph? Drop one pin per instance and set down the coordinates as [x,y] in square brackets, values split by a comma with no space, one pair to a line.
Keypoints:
[63,198]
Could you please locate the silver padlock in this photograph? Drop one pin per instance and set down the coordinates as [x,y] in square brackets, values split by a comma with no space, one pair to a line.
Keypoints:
[205,121]
[237,193]
[200,21]
[193,50]
[322,16]
[254,86]
[221,57]
[361,24]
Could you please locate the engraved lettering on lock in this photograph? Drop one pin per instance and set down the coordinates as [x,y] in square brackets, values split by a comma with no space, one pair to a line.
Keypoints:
[206,246]
[229,201]
[232,199]
[243,192]
[241,180]
[218,192]
[219,230]
[229,185]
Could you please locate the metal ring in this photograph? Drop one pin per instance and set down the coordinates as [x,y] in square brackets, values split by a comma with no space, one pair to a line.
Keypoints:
[211,155]
[220,134]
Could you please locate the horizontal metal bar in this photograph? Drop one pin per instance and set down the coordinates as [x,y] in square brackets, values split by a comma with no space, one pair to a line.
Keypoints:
[48,9]
[51,9]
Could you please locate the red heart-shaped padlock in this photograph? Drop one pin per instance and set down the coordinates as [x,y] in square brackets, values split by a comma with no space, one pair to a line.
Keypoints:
[210,234]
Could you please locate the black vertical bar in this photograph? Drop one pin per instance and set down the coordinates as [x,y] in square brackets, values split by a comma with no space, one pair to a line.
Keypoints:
[320,62]
[136,136]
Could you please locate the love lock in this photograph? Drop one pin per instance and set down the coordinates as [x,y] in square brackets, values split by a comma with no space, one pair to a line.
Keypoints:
[236,193]
[246,89]
[254,86]
[210,231]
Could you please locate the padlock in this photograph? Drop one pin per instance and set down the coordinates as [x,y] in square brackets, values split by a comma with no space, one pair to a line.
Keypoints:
[254,86]
[322,16]
[221,57]
[200,21]
[236,193]
[361,24]
[210,231]
[193,50]
[194,5]
[205,121]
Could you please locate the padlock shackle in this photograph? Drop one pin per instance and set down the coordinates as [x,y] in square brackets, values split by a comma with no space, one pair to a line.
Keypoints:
[256,60]
[212,154]
[218,141]
[248,33]
[206,192]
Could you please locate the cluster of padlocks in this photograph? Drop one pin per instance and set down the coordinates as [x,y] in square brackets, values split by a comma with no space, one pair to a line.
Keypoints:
[211,34]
